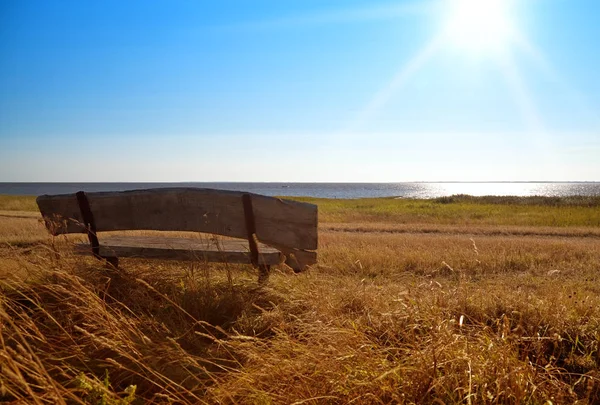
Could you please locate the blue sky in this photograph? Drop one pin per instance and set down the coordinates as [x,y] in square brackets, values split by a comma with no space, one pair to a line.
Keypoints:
[299,90]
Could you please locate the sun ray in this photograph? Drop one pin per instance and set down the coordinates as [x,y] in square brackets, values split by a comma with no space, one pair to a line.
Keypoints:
[521,94]
[536,130]
[382,97]
[544,65]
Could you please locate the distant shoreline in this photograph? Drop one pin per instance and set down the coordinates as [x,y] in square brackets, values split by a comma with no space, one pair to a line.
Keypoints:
[424,190]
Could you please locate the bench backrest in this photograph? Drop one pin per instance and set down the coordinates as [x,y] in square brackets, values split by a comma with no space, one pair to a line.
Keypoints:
[278,222]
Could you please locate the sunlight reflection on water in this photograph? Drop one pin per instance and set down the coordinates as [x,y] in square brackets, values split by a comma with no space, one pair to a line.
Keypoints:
[433,190]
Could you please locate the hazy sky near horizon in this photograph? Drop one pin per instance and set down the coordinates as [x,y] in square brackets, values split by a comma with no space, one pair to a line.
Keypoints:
[299,90]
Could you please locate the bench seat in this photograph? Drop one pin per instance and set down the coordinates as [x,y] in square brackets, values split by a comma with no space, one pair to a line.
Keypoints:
[177,248]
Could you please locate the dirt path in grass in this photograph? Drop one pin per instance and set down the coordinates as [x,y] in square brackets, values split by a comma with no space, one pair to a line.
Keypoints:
[19,214]
[590,232]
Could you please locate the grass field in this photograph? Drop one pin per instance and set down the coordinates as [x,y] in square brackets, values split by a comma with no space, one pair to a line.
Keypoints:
[455,300]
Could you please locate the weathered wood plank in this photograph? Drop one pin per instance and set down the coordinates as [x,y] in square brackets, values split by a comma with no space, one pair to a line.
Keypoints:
[297,259]
[278,222]
[228,251]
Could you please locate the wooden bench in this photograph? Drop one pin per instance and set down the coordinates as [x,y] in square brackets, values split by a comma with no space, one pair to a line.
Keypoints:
[268,230]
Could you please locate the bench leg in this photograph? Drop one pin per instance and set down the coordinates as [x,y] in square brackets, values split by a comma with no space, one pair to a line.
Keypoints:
[263,273]
[112,261]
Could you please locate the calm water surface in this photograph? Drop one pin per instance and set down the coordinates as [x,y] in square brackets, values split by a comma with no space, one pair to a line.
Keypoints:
[328,190]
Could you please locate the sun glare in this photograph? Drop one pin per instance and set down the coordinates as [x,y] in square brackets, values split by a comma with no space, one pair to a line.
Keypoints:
[479,25]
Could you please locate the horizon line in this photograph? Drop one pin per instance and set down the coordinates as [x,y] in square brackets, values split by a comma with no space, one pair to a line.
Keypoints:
[300,182]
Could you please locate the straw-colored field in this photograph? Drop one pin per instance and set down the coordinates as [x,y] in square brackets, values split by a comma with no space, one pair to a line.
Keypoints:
[456,300]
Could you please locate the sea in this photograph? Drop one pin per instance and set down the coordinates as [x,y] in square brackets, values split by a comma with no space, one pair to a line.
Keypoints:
[333,190]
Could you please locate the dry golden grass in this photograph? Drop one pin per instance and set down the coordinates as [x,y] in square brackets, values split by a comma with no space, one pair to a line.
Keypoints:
[17,203]
[388,255]
[473,230]
[393,313]
[21,230]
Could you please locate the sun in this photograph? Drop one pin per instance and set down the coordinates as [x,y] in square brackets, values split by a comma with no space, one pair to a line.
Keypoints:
[480,26]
